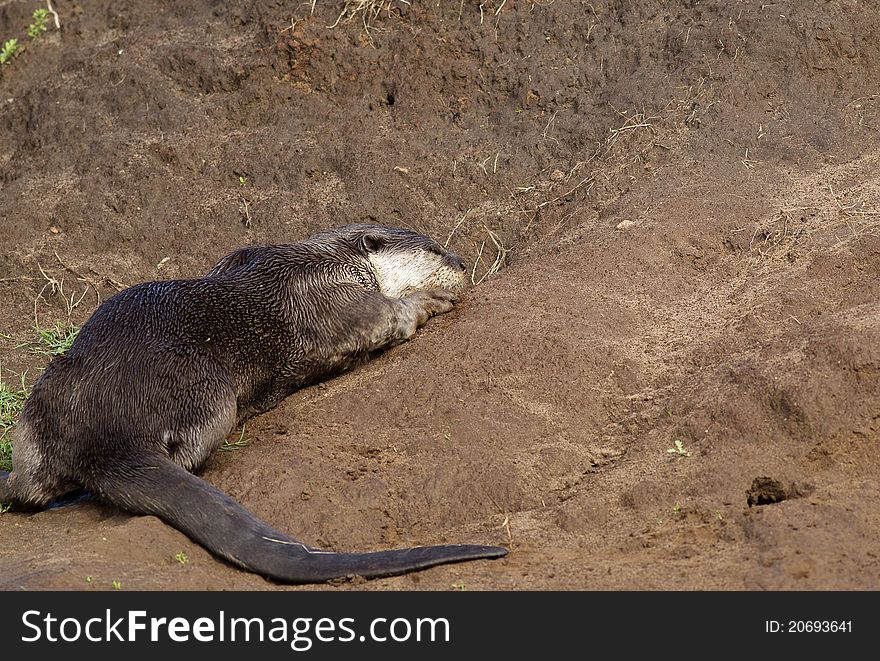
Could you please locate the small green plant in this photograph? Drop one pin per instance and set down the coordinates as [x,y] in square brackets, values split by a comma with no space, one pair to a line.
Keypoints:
[459,585]
[676,508]
[235,444]
[8,50]
[88,579]
[181,558]
[679,450]
[5,507]
[116,585]
[242,180]
[11,402]
[40,24]
[55,341]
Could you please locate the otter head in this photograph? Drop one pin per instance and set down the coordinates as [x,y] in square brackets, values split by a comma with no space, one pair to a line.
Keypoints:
[404,261]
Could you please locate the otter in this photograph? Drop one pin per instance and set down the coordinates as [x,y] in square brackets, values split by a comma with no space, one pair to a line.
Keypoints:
[162,372]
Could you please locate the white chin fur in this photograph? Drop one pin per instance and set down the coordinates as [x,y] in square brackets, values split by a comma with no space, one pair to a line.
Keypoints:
[401,273]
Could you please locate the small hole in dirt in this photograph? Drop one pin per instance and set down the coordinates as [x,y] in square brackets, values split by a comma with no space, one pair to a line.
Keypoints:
[766,491]
[390,99]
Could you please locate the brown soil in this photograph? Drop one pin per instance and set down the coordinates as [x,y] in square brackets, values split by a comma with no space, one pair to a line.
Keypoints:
[684,196]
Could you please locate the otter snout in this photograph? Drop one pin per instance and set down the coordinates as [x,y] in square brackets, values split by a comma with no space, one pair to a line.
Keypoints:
[454,261]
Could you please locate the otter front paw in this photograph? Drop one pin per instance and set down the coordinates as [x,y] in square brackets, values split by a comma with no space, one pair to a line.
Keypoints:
[421,306]
[434,301]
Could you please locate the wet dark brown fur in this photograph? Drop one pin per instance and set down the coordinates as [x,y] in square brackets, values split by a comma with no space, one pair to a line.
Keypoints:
[161,373]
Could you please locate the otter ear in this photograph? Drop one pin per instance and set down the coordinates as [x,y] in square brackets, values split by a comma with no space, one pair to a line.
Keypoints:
[371,242]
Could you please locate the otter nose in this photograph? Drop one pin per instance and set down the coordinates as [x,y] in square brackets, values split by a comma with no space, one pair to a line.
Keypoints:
[456,262]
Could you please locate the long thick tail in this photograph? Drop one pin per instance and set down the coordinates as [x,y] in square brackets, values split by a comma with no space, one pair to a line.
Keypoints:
[210,517]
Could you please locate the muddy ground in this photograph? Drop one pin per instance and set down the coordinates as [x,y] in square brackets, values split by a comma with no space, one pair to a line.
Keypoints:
[670,210]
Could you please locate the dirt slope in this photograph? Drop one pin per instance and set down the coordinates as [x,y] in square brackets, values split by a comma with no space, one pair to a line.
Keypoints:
[685,200]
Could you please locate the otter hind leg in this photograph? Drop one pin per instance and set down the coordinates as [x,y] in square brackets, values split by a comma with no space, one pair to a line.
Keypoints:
[188,442]
[34,482]
[24,492]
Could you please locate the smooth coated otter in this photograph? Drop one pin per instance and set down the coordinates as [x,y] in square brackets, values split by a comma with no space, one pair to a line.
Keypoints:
[163,371]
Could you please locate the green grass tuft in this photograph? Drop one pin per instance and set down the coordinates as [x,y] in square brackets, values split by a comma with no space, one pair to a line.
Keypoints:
[55,341]
[12,398]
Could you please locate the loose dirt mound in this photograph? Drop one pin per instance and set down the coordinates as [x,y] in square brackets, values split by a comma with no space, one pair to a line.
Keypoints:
[684,200]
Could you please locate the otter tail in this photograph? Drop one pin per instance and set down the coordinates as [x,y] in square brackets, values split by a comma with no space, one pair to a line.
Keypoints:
[208,516]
